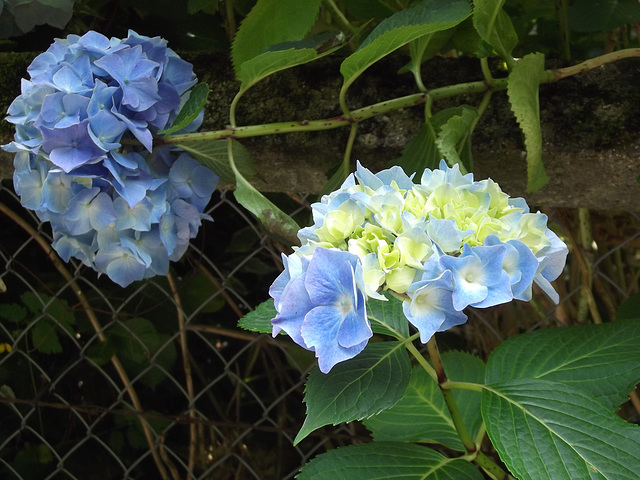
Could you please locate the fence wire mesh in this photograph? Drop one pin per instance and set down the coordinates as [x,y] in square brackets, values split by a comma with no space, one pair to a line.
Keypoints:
[156,380]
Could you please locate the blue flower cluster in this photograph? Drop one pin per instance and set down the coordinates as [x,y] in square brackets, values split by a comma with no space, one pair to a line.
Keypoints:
[440,245]
[83,153]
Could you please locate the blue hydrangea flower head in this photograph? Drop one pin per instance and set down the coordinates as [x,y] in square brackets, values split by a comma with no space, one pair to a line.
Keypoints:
[442,245]
[321,305]
[125,212]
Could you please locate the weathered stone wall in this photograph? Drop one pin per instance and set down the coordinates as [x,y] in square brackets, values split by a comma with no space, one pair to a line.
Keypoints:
[591,126]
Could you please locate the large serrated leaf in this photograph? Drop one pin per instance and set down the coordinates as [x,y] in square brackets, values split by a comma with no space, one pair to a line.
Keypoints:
[387,318]
[547,430]
[401,28]
[190,110]
[421,415]
[602,15]
[270,22]
[259,319]
[372,381]
[522,89]
[214,155]
[602,360]
[494,26]
[387,461]
[455,135]
[420,152]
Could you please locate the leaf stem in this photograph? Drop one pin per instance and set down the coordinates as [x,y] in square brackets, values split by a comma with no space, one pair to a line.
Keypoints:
[349,117]
[421,360]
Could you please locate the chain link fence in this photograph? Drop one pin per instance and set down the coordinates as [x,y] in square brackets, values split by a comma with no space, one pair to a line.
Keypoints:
[156,380]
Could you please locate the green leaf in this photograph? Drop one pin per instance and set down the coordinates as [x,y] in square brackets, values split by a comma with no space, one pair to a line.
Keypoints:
[143,350]
[387,317]
[259,319]
[13,312]
[602,15]
[420,152]
[208,6]
[387,461]
[602,360]
[198,294]
[45,337]
[467,40]
[522,89]
[630,308]
[368,8]
[270,22]
[372,381]
[455,136]
[421,415]
[402,27]
[550,430]
[494,26]
[214,155]
[101,352]
[286,55]
[190,110]
[274,220]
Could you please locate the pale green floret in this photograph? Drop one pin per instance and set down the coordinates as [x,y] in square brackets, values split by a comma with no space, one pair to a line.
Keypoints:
[340,224]
[366,239]
[416,202]
[530,230]
[400,279]
[388,257]
[387,211]
[415,247]
[373,276]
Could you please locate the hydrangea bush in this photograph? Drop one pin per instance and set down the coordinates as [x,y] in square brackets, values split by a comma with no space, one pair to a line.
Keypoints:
[84,156]
[440,245]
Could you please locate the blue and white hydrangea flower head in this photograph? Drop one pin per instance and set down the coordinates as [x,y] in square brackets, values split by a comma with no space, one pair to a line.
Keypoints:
[441,245]
[84,157]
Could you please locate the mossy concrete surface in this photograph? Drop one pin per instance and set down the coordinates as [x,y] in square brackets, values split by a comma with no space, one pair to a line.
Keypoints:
[590,122]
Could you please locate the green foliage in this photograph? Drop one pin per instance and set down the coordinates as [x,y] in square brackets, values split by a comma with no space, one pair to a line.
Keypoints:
[602,15]
[190,110]
[214,154]
[401,28]
[522,88]
[286,55]
[270,22]
[421,415]
[494,27]
[144,351]
[387,461]
[454,139]
[259,319]
[551,430]
[367,384]
[386,317]
[45,317]
[602,360]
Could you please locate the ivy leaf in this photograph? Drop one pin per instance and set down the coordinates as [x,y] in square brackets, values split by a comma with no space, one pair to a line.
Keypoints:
[421,415]
[602,15]
[402,27]
[365,385]
[190,110]
[386,461]
[522,89]
[387,318]
[550,430]
[601,360]
[494,26]
[214,154]
[270,22]
[259,319]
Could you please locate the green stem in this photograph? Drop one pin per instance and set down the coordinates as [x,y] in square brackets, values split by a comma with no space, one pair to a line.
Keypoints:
[422,361]
[486,72]
[349,117]
[341,18]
